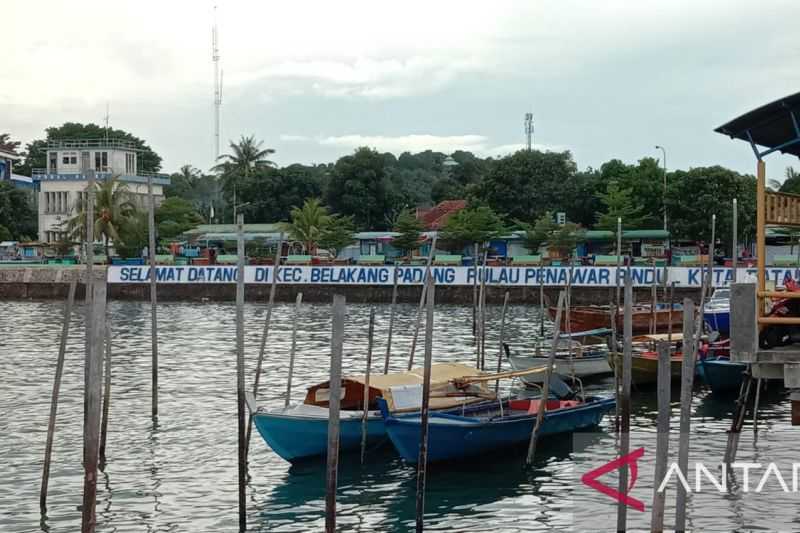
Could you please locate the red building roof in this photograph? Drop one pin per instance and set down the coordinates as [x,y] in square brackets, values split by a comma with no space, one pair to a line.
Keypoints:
[435,217]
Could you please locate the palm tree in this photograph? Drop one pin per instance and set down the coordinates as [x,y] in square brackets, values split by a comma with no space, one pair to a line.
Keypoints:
[112,210]
[246,155]
[308,223]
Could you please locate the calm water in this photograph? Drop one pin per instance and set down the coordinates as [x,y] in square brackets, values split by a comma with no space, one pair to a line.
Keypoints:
[181,474]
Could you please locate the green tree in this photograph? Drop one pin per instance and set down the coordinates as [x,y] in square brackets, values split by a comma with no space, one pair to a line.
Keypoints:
[359,187]
[134,235]
[201,190]
[410,229]
[244,158]
[7,144]
[5,233]
[474,225]
[308,223]
[792,182]
[36,151]
[618,203]
[175,216]
[562,238]
[337,234]
[272,192]
[17,213]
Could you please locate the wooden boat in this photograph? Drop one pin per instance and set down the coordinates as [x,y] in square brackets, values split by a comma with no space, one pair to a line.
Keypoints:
[593,317]
[721,374]
[717,311]
[495,425]
[301,431]
[583,362]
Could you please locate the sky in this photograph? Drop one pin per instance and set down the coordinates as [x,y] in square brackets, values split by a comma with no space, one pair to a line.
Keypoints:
[315,80]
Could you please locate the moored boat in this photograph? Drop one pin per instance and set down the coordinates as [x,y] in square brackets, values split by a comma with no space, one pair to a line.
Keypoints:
[721,374]
[593,317]
[717,312]
[301,431]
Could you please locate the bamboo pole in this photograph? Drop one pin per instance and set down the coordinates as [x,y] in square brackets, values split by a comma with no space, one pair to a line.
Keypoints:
[662,439]
[502,339]
[421,302]
[424,413]
[546,385]
[687,382]
[92,394]
[391,323]
[51,424]
[151,229]
[106,397]
[240,407]
[625,401]
[297,302]
[365,414]
[334,402]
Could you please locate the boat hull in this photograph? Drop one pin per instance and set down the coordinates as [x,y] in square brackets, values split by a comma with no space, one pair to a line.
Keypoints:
[718,320]
[455,437]
[644,368]
[582,367]
[721,375]
[588,318]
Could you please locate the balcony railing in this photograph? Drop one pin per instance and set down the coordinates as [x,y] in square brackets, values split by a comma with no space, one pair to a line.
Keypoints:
[83,144]
[101,174]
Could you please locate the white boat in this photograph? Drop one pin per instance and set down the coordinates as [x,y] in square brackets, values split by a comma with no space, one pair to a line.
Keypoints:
[583,362]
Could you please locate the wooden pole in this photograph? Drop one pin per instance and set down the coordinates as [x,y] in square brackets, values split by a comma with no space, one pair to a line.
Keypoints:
[482,296]
[687,382]
[297,302]
[421,302]
[502,339]
[334,402]
[653,301]
[88,283]
[92,392]
[705,287]
[735,241]
[540,273]
[474,289]
[761,246]
[391,324]
[106,397]
[568,319]
[426,394]
[625,401]
[662,439]
[671,309]
[151,228]
[546,385]
[619,256]
[51,424]
[240,407]
[365,414]
[264,335]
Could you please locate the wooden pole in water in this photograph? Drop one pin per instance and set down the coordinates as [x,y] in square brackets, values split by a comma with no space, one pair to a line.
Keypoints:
[619,257]
[687,382]
[151,228]
[705,286]
[88,283]
[365,414]
[297,301]
[541,300]
[421,302]
[106,397]
[546,385]
[625,401]
[568,319]
[662,439]
[482,338]
[424,413]
[334,402]
[51,424]
[240,408]
[92,393]
[474,289]
[391,324]
[654,301]
[502,339]
[735,241]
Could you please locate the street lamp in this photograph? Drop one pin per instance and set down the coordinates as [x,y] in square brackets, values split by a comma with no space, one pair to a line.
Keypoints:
[664,192]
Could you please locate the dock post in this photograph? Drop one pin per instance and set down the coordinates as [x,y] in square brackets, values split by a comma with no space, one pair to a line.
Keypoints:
[475,290]
[625,401]
[687,382]
[735,245]
[482,296]
[662,438]
[365,414]
[755,406]
[502,339]
[106,396]
[89,281]
[240,408]
[391,323]
[546,385]
[92,392]
[264,335]
[424,413]
[654,301]
[297,302]
[540,275]
[421,302]
[51,424]
[151,228]
[334,402]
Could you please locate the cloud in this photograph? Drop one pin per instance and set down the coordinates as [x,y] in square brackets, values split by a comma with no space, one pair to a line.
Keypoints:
[286,137]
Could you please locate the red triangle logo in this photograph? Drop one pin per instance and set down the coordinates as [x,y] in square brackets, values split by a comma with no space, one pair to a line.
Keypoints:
[590,478]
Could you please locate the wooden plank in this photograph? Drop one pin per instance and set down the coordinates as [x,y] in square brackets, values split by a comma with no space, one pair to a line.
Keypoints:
[151,228]
[295,321]
[240,401]
[546,384]
[365,409]
[51,424]
[422,463]
[662,439]
[687,382]
[391,322]
[335,384]
[625,400]
[502,340]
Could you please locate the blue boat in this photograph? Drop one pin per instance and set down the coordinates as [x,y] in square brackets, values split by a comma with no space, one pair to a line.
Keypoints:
[717,312]
[721,374]
[300,431]
[452,436]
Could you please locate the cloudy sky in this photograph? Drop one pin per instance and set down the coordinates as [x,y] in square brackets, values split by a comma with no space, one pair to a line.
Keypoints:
[314,80]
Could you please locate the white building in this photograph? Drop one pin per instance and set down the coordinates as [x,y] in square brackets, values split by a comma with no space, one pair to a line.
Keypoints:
[63,184]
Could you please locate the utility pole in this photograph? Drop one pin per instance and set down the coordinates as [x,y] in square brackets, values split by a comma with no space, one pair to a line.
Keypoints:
[664,192]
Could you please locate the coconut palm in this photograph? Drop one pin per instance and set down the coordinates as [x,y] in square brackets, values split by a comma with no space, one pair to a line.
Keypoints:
[308,223]
[113,209]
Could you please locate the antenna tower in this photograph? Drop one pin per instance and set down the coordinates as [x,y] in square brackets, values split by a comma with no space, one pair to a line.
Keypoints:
[529,130]
[217,84]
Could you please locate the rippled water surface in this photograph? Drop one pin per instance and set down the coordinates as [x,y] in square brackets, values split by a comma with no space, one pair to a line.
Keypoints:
[181,474]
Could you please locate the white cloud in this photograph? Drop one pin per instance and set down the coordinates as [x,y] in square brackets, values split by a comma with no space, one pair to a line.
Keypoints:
[286,137]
